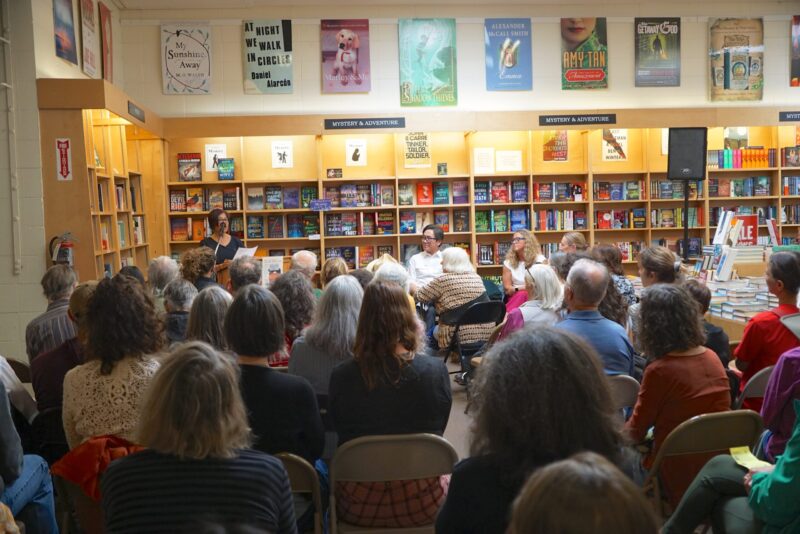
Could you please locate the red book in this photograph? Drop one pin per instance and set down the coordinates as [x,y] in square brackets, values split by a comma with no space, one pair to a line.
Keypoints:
[500,192]
[424,193]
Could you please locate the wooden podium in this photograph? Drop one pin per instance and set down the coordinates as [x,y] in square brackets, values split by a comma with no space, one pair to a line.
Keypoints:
[223,274]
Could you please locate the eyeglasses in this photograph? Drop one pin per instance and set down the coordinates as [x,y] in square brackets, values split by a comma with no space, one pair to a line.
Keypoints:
[517,239]
[427,238]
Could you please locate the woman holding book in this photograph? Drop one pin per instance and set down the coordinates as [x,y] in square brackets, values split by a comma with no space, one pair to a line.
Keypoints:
[221,241]
[524,252]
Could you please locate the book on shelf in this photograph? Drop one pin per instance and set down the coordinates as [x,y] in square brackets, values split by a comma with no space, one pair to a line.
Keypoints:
[408,222]
[790,156]
[500,192]
[101,197]
[639,216]
[189,167]
[230,199]
[385,223]
[407,250]
[333,194]
[307,194]
[135,201]
[255,198]
[387,195]
[493,253]
[366,254]
[275,227]
[482,221]
[519,191]
[616,190]
[632,190]
[368,223]
[255,227]
[499,220]
[544,192]
[236,223]
[310,224]
[123,241]
[602,191]
[349,224]
[673,218]
[363,195]
[195,199]
[461,220]
[405,194]
[294,225]
[179,230]
[442,218]
[424,218]
[519,219]
[441,193]
[622,190]
[275,252]
[557,191]
[463,245]
[119,192]
[460,192]
[553,219]
[348,196]
[273,197]
[216,199]
[791,185]
[333,224]
[385,249]
[481,192]
[424,193]
[291,197]
[742,158]
[198,229]
[177,200]
[225,169]
[347,253]
[138,230]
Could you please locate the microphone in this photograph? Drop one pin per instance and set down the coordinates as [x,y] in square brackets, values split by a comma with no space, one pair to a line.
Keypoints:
[222,226]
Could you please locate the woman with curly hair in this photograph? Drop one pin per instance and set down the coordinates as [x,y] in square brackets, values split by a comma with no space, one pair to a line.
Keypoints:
[611,257]
[524,252]
[103,395]
[207,316]
[296,295]
[197,266]
[683,379]
[538,398]
[332,268]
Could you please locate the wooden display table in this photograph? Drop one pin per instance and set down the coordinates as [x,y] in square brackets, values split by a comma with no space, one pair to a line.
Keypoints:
[734,329]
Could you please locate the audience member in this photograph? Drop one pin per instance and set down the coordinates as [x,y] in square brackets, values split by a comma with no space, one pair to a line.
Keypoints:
[716,338]
[25,484]
[329,340]
[296,296]
[544,293]
[363,276]
[134,272]
[657,265]
[683,379]
[103,395]
[562,262]
[390,387]
[22,404]
[332,268]
[614,307]
[198,464]
[538,398]
[49,369]
[778,410]
[611,257]
[53,327]
[584,493]
[282,408]
[585,288]
[377,263]
[161,271]
[393,272]
[424,266]
[573,242]
[178,297]
[452,293]
[736,499]
[197,266]
[243,271]
[306,262]
[765,338]
[207,317]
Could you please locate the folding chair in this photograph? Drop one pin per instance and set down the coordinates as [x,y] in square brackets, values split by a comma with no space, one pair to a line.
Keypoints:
[755,387]
[21,369]
[303,479]
[47,435]
[701,434]
[74,502]
[624,392]
[478,313]
[389,458]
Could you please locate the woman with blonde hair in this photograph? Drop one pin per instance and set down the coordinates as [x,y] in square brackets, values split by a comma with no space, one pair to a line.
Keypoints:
[198,465]
[573,242]
[207,317]
[524,252]
[545,294]
[332,268]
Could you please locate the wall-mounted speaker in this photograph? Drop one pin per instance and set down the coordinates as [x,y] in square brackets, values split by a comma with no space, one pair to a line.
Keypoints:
[687,153]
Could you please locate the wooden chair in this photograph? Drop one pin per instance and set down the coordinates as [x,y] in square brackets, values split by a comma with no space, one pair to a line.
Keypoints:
[385,458]
[755,387]
[702,434]
[74,502]
[303,479]
[21,369]
[624,392]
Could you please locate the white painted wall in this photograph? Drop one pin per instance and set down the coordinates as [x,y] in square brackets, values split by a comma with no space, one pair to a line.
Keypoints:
[142,76]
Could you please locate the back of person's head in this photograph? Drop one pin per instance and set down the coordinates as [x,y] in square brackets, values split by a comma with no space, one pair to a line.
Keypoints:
[562,262]
[254,324]
[363,276]
[582,494]
[576,239]
[58,282]
[540,396]
[784,267]
[385,321]
[332,268]
[588,281]
[614,306]
[122,322]
[304,261]
[394,273]
[700,293]
[207,317]
[377,263]
[197,262]
[668,321]
[243,271]
[336,318]
[297,298]
[610,256]
[662,264]
[456,260]
[193,409]
[79,307]
[134,272]
[161,271]
[542,284]
[179,295]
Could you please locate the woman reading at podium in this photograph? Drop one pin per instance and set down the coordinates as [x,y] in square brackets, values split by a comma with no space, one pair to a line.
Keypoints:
[221,241]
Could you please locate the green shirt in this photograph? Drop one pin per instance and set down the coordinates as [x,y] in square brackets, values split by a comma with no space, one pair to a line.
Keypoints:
[590,54]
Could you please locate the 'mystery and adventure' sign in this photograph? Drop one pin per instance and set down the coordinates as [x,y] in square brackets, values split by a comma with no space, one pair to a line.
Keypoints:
[567,120]
[365,124]
[789,116]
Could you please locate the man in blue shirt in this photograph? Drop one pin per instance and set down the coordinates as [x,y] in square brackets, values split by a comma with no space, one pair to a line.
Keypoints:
[584,290]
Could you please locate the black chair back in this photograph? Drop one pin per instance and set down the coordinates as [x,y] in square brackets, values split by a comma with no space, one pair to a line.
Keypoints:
[483,312]
[48,437]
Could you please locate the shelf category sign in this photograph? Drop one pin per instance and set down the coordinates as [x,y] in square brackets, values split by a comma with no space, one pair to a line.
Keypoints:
[365,124]
[589,118]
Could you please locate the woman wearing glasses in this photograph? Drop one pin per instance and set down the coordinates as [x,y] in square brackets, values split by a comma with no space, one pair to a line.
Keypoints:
[524,252]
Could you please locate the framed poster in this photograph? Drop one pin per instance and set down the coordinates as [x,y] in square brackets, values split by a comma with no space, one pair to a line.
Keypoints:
[345,56]
[64,31]
[106,42]
[584,53]
[268,57]
[737,59]
[89,38]
[794,75]
[658,52]
[428,62]
[507,44]
[186,59]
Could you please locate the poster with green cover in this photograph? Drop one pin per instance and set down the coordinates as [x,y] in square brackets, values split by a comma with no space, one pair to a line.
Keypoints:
[427,62]
[584,53]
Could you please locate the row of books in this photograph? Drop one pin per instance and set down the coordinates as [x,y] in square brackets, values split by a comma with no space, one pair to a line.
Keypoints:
[502,220]
[359,195]
[627,190]
[754,186]
[676,245]
[194,199]
[119,190]
[790,156]
[190,168]
[293,225]
[763,212]
[138,230]
[558,191]
[432,193]
[673,218]
[790,214]
[544,220]
[742,158]
[358,256]
[620,219]
[362,223]
[492,253]
[277,197]
[791,185]
[500,192]
[675,189]
[413,222]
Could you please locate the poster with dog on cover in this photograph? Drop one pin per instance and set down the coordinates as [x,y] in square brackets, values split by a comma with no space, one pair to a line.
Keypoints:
[345,56]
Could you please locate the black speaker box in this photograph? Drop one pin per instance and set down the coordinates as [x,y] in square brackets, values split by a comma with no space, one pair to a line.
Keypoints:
[687,154]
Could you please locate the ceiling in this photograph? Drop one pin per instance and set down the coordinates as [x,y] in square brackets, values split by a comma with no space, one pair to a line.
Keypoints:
[240,4]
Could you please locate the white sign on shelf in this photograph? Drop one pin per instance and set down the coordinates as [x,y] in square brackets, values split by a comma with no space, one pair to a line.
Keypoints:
[63,159]
[508,161]
[355,152]
[483,160]
[282,154]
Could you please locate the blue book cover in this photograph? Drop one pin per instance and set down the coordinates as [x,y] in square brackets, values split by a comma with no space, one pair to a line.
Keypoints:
[508,54]
[519,219]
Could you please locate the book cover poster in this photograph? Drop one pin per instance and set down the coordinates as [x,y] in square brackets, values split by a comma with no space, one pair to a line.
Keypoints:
[737,59]
[89,37]
[554,146]
[428,62]
[214,153]
[64,31]
[345,56]
[794,74]
[417,152]
[106,42]
[508,54]
[615,145]
[186,59]
[282,154]
[658,52]
[584,53]
[355,152]
[268,56]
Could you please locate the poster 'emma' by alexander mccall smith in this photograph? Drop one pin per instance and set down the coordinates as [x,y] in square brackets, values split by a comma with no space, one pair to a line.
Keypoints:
[428,62]
[186,59]
[508,54]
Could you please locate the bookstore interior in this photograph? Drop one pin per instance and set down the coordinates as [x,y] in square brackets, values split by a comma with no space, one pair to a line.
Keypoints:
[359,186]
